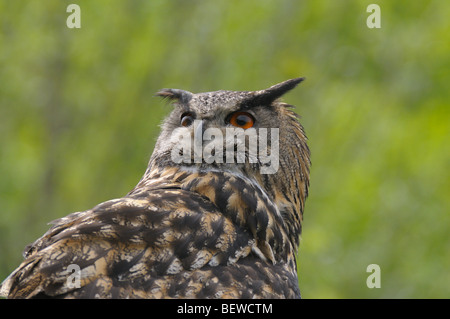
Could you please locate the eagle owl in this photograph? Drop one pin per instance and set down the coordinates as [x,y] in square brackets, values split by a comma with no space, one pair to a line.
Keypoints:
[217,214]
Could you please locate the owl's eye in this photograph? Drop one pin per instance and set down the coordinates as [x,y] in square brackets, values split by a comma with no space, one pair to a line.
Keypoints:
[186,119]
[242,119]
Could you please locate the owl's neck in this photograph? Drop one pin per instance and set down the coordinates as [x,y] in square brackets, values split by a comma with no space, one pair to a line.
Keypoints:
[240,198]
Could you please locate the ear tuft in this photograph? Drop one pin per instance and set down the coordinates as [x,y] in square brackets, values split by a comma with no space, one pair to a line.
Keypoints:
[175,94]
[267,96]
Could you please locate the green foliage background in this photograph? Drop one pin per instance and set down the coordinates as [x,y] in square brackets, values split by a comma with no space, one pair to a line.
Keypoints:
[78,119]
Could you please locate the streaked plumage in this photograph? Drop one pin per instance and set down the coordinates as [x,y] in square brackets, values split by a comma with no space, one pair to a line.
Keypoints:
[195,230]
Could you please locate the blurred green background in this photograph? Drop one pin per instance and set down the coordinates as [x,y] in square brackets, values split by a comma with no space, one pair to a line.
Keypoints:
[78,119]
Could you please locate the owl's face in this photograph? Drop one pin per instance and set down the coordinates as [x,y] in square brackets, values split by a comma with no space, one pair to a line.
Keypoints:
[226,130]
[219,130]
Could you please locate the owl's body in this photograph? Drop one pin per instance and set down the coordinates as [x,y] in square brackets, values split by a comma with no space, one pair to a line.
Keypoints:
[190,229]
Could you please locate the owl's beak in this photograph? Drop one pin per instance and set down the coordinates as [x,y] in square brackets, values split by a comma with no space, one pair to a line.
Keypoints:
[198,128]
[198,141]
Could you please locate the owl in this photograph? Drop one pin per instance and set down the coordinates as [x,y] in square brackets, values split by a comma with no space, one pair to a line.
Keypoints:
[217,214]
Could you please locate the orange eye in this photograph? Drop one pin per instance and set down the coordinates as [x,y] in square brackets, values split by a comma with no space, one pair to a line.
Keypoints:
[242,119]
[186,119]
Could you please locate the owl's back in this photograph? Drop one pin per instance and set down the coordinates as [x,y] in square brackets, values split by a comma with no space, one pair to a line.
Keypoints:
[184,235]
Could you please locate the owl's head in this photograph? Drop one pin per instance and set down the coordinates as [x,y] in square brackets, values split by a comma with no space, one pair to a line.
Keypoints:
[250,133]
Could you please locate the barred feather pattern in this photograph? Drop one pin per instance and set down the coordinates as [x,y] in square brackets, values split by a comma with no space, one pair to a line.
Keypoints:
[179,235]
